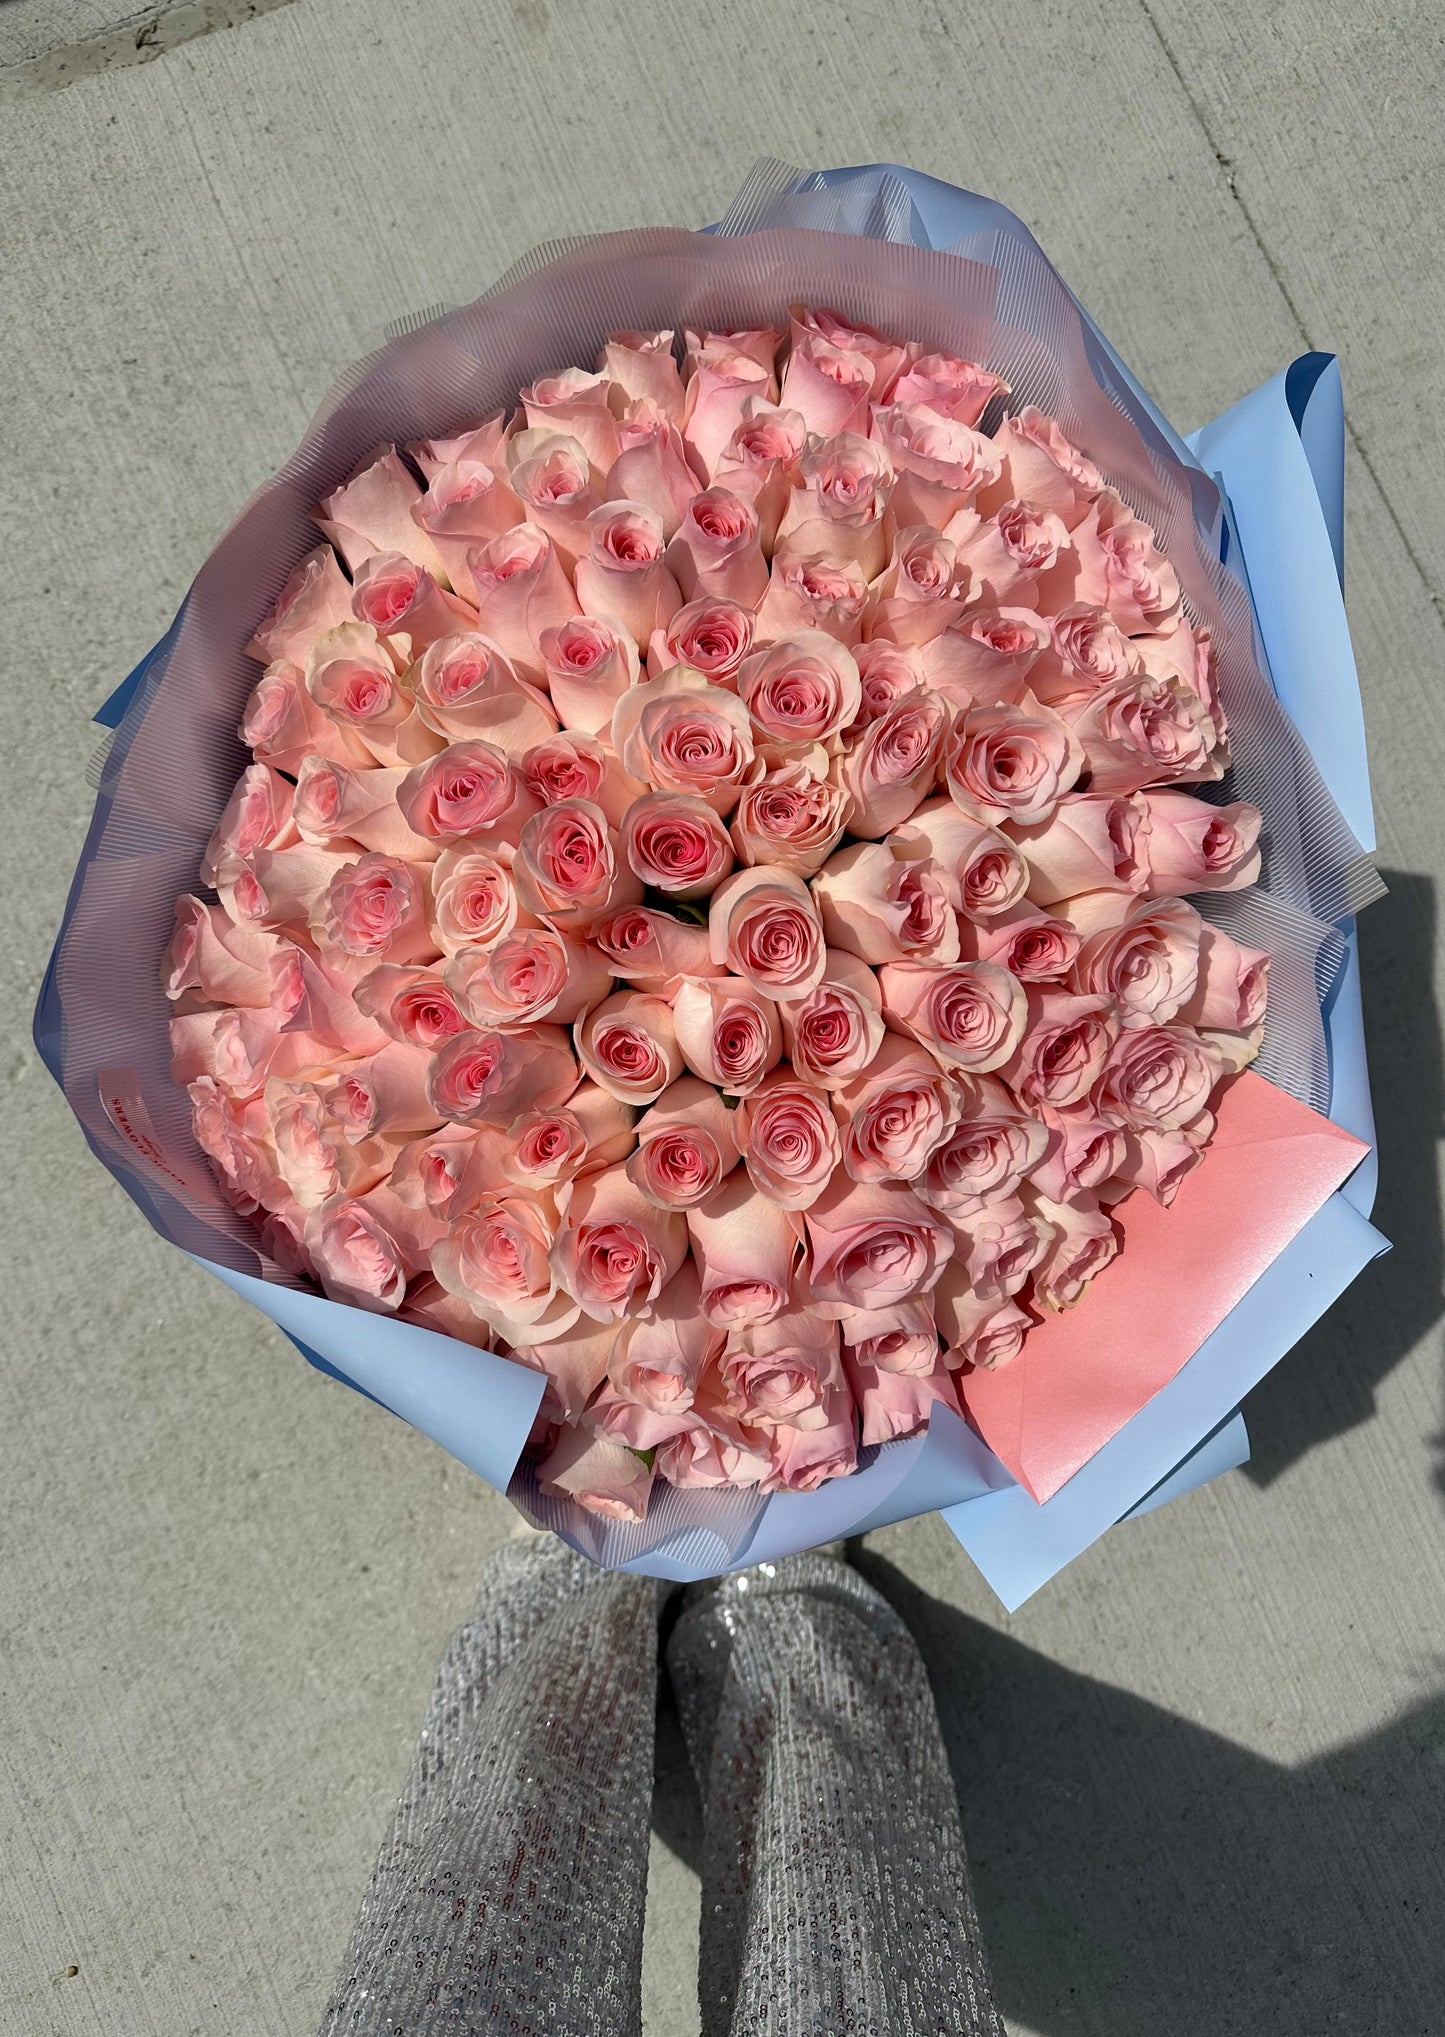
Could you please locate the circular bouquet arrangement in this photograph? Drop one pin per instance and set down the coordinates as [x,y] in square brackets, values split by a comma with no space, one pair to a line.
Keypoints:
[707,917]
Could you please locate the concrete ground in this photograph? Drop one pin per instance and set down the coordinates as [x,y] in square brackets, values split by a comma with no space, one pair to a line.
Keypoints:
[1203,1775]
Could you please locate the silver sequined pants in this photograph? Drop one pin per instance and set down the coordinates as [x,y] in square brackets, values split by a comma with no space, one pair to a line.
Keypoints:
[508,1896]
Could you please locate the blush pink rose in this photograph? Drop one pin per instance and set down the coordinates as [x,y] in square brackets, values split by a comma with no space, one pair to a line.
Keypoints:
[1149,965]
[351,677]
[838,507]
[473,900]
[555,483]
[282,725]
[890,770]
[642,365]
[1113,563]
[373,512]
[1064,1050]
[1084,1242]
[652,948]
[574,1363]
[782,1372]
[985,657]
[1194,846]
[886,671]
[465,687]
[335,806]
[568,867]
[1011,763]
[983,873]
[718,390]
[258,815]
[801,1460]
[616,1251]
[886,357]
[1008,555]
[764,926]
[397,597]
[872,1244]
[470,789]
[949,385]
[969,1015]
[903,1338]
[1230,987]
[357,1259]
[940,463]
[998,1246]
[718,552]
[1092,842]
[922,592]
[988,1334]
[218,960]
[377,906]
[492,1077]
[531,973]
[987,1154]
[603,1477]
[309,1152]
[658,1360]
[1086,651]
[1157,1078]
[728,1032]
[710,635]
[686,1146]
[579,404]
[1026,941]
[628,1045]
[589,664]
[467,503]
[760,462]
[316,597]
[1082,1155]
[522,590]
[790,818]
[745,1248]
[834,1033]
[312,995]
[675,843]
[680,733]
[808,591]
[280,887]
[572,766]
[622,575]
[896,1113]
[652,466]
[1042,466]
[789,1140]
[884,903]
[427,1172]
[1140,731]
[496,1257]
[892,1405]
[410,1004]
[552,1146]
[830,386]
[800,692]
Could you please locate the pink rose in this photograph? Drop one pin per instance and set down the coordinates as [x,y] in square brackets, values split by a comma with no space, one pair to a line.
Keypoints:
[221,961]
[616,1251]
[1197,847]
[988,1334]
[1178,651]
[1082,1155]
[1063,1052]
[622,575]
[427,1172]
[764,926]
[728,1032]
[232,1132]
[377,906]
[603,1477]
[313,998]
[335,805]
[473,900]
[1230,986]
[578,404]
[283,725]
[784,1371]
[530,974]
[643,367]
[1011,763]
[892,1405]
[574,1362]
[553,478]
[629,1047]
[712,1453]
[351,678]
[757,344]
[997,1247]
[496,1257]
[397,597]
[969,1015]
[800,1460]
[550,1146]
[948,385]
[834,1032]
[903,1338]
[1087,650]
[1158,1162]
[1157,1078]
[941,464]
[986,1155]
[886,671]
[522,590]
[567,866]
[982,870]
[789,1141]
[410,1004]
[838,507]
[258,815]
[717,395]
[465,687]
[467,503]
[372,512]
[1043,467]
[1092,842]
[651,467]
[311,1153]
[745,1247]
[1113,563]
[658,1361]
[680,733]
[1007,555]
[886,357]
[884,904]
[589,666]
[653,948]
[985,657]
[896,1113]
[1150,964]
[470,789]
[891,768]
[1142,731]
[711,635]
[356,1258]
[760,462]
[923,591]
[789,818]
[800,692]
[810,591]
[1084,1242]
[278,887]
[1025,941]
[717,552]
[872,1244]
[675,843]
[491,1078]
[569,766]
[316,597]
[829,385]
[686,1145]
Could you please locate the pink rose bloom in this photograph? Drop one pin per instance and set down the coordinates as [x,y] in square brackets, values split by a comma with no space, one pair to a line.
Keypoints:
[801,1460]
[1024,940]
[232,1132]
[717,552]
[283,725]
[552,1146]
[496,1258]
[336,807]
[839,505]
[1084,1242]
[1082,1155]
[1194,846]
[711,635]
[398,598]
[981,868]
[872,1244]
[1157,1078]
[465,687]
[643,367]
[470,789]
[316,597]
[833,1034]
[410,1004]
[377,906]
[554,481]
[923,590]
[575,1364]
[1064,1051]
[484,443]
[313,997]
[728,1032]
[745,1247]
[522,590]
[603,1477]
[892,766]
[786,1370]
[658,1360]
[473,900]
[790,818]
[1113,563]
[985,657]
[1087,650]
[1150,964]
[680,733]
[1007,555]
[589,665]
[764,926]
[941,464]
[1230,986]
[969,1015]
[1011,763]
[530,974]
[220,961]
[427,1172]
[800,692]
[1092,842]
[310,1152]
[372,512]
[886,671]
[567,866]
[948,385]
[686,1146]
[986,1155]
[357,1259]
[616,1251]
[896,1113]
[789,1140]
[1178,651]
[892,1405]
[280,887]
[903,1338]
[467,503]
[491,1078]
[811,591]
[997,1247]
[886,357]
[1158,1162]
[651,467]
[653,948]
[351,678]
[1042,466]
[629,1047]
[718,391]
[829,385]
[258,815]
[760,462]
[579,404]
[1143,731]
[569,766]
[675,843]
[884,904]
[622,575]
[989,1334]
[757,344]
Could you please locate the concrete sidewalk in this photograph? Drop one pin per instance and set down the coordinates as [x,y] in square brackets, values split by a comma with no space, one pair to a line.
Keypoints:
[1203,1775]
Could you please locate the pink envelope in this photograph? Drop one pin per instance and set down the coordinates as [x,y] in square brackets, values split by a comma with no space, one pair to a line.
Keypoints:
[1082,1375]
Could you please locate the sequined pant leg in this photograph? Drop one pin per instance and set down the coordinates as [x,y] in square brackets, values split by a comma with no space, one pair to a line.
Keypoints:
[509,1893]
[836,1898]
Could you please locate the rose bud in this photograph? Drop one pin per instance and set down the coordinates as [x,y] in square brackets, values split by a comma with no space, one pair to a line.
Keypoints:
[312,996]
[603,1477]
[1023,940]
[278,887]
[941,464]
[1149,965]
[258,815]
[616,1251]
[986,657]
[1010,762]
[652,468]
[628,1046]
[467,503]
[522,591]
[396,597]
[483,444]
[1083,1155]
[922,592]
[642,366]
[872,1244]
[982,871]
[988,1334]
[883,904]
[760,463]
[377,906]
[465,687]
[357,1259]
[764,926]
[1197,847]
[221,961]
[896,1113]
[675,843]
[727,1031]
[470,789]
[789,818]
[986,1155]
[834,1032]
[491,1078]
[567,866]
[554,482]
[745,1248]
[1142,731]
[282,725]
[685,1146]
[970,1015]
[1091,843]
[316,597]
[953,387]
[892,766]
[653,948]
[899,1339]
[473,900]
[800,692]
[789,1139]
[569,766]
[658,1361]
[1008,554]
[801,1460]
[1083,1244]
[339,808]
[530,974]
[718,552]
[1064,1049]
[351,678]
[622,575]
[710,635]
[410,1004]
[718,390]
[496,1258]
[1157,1078]
[838,508]
[578,404]
[786,1370]
[893,1405]
[372,512]
[998,1246]
[1230,987]
[1087,650]
[589,665]
[810,591]
[680,733]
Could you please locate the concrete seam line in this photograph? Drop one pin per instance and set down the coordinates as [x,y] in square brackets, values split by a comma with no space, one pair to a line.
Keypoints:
[137,39]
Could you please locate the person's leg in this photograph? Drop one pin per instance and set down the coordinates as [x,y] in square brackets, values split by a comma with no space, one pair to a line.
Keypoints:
[836,1898]
[509,1892]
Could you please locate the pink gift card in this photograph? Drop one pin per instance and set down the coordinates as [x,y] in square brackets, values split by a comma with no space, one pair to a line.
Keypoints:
[1082,1375]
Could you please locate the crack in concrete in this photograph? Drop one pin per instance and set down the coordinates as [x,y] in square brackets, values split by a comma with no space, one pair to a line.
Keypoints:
[137,39]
